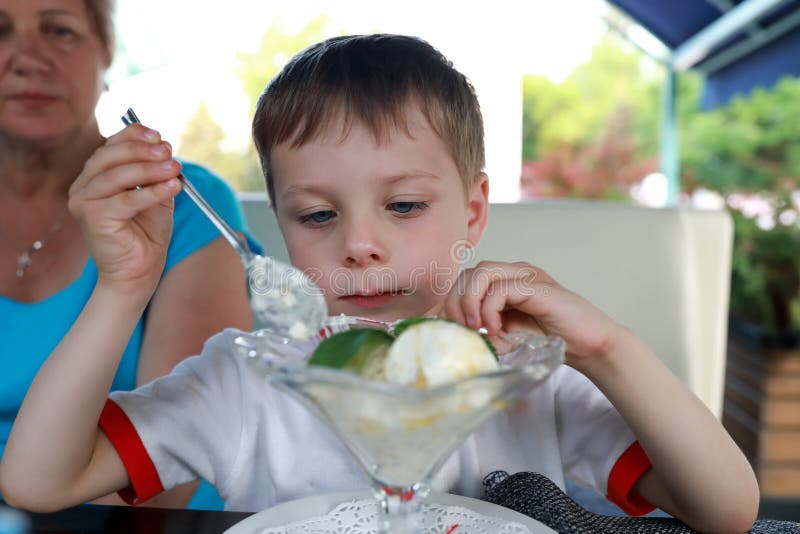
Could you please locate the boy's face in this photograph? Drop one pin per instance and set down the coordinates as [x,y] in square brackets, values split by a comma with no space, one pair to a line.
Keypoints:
[379,227]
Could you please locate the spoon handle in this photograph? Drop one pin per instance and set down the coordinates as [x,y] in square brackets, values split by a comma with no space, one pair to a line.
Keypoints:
[238,244]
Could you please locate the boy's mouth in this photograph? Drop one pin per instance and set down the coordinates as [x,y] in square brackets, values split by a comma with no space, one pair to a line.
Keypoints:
[370,300]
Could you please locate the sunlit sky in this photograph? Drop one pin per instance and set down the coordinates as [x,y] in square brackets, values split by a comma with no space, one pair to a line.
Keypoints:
[187,49]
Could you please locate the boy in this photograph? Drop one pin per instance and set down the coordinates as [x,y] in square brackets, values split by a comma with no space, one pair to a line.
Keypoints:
[372,150]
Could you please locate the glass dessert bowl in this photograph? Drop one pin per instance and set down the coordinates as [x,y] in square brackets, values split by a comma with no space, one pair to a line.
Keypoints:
[400,435]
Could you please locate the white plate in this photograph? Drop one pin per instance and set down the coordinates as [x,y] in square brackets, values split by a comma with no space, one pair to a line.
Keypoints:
[320,505]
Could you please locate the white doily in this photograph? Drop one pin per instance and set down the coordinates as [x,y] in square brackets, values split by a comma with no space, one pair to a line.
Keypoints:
[360,517]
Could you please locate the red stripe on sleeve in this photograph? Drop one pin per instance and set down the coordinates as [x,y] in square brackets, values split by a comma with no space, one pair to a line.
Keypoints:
[145,482]
[631,465]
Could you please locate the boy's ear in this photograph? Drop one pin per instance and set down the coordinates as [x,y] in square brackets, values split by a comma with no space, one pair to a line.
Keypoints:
[477,208]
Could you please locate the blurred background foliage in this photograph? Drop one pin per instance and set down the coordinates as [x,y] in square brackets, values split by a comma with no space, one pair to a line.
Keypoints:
[749,151]
[242,168]
[595,135]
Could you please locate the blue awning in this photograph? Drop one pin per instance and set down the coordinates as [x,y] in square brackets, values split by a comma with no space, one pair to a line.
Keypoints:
[759,52]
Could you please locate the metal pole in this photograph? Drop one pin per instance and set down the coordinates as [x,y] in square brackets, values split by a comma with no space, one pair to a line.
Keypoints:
[670,150]
[754,42]
[701,44]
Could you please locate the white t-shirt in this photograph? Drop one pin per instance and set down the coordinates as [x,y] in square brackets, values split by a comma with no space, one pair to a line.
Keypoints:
[215,418]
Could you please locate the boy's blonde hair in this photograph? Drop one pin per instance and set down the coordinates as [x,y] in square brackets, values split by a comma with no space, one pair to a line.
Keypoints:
[372,80]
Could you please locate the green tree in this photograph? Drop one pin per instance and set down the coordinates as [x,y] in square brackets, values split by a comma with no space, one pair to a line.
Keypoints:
[751,145]
[202,138]
[277,46]
[255,69]
[749,151]
[201,141]
[603,169]
[550,116]
[595,133]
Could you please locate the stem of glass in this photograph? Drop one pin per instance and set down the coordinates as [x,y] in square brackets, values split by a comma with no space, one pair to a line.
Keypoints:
[400,508]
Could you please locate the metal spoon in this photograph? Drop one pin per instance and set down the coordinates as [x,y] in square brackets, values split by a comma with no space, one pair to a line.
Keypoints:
[283,299]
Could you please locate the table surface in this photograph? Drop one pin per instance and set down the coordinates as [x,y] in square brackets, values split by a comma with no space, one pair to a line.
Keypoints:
[90,518]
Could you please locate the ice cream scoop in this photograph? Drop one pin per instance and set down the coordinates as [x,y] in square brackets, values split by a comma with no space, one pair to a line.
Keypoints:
[435,352]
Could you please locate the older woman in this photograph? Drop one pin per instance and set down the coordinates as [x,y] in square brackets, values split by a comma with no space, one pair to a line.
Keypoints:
[53,57]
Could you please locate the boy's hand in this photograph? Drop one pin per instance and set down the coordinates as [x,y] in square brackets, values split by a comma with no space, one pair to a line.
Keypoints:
[123,200]
[503,297]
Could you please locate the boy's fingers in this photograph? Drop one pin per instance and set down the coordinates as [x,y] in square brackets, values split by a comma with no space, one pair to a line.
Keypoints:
[452,309]
[465,304]
[477,283]
[452,304]
[469,297]
[493,304]
[516,297]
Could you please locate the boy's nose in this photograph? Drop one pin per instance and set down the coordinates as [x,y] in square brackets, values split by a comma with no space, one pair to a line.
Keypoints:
[363,245]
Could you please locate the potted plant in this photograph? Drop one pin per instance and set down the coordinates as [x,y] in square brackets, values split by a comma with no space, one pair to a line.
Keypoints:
[749,152]
[765,281]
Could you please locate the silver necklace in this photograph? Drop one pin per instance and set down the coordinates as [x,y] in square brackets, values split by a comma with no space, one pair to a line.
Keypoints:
[24,260]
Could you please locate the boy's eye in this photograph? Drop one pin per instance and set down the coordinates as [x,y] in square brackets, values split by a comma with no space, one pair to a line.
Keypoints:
[318,217]
[404,208]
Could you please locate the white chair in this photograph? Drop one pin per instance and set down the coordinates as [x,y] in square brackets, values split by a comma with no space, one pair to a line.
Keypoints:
[663,273]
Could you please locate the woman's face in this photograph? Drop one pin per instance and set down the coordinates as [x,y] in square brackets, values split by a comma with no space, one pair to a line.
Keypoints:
[52,64]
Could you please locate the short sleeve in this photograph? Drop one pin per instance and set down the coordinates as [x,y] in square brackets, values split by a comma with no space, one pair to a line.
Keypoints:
[181,426]
[192,230]
[627,470]
[598,448]
[144,480]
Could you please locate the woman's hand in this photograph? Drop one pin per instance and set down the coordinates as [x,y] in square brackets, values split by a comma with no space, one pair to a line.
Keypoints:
[123,200]
[503,297]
